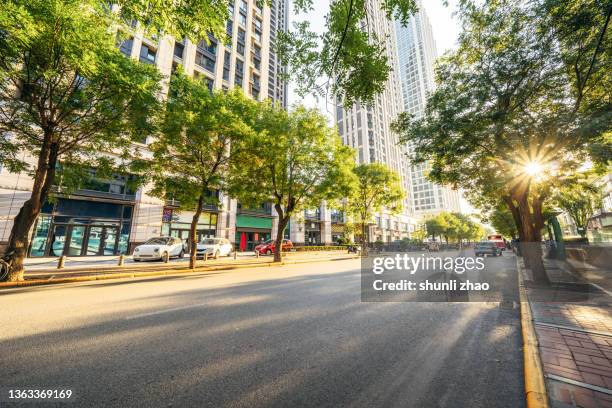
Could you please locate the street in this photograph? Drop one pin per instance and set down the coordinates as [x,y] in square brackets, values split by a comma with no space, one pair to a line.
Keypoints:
[296,335]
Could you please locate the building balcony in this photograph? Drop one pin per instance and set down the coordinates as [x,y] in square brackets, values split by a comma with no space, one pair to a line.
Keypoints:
[265,209]
[312,215]
[176,203]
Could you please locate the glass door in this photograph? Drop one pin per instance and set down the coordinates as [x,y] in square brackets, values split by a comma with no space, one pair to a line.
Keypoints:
[94,241]
[76,240]
[110,240]
[58,240]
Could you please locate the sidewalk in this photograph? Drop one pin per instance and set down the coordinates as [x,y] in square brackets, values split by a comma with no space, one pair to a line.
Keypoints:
[573,324]
[148,269]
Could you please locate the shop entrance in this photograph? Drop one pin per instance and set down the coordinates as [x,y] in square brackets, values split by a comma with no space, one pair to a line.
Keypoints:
[248,240]
[81,228]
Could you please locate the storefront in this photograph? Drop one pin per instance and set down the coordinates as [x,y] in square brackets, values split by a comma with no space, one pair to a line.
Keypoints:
[177,224]
[82,228]
[251,231]
[337,232]
[312,234]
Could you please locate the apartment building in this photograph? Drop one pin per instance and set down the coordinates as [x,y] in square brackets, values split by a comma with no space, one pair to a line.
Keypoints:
[417,54]
[107,217]
[367,128]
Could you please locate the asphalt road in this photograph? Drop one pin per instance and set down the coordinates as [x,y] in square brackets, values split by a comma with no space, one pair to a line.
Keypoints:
[297,335]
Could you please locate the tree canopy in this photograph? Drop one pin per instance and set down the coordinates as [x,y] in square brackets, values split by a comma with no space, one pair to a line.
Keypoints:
[191,155]
[67,96]
[503,122]
[293,160]
[377,188]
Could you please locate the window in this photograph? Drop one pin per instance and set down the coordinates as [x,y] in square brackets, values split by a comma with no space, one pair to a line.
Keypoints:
[239,67]
[240,49]
[179,49]
[229,28]
[205,61]
[147,54]
[243,6]
[241,35]
[242,19]
[126,47]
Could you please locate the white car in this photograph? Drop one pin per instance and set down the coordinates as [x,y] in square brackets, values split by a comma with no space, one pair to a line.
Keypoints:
[214,247]
[160,248]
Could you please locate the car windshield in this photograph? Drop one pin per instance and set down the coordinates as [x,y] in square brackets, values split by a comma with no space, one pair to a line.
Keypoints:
[485,244]
[157,241]
[269,241]
[209,241]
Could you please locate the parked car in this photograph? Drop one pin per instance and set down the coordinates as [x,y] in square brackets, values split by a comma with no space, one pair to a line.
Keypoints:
[268,246]
[160,248]
[214,247]
[487,248]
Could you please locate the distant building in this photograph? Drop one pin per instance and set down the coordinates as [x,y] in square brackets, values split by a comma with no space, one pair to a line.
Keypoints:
[417,54]
[367,130]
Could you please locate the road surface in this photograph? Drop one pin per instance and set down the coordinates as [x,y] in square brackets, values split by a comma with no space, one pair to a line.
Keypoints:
[285,336]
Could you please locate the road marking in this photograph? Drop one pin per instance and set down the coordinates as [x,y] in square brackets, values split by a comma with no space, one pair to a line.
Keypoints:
[559,326]
[174,309]
[579,383]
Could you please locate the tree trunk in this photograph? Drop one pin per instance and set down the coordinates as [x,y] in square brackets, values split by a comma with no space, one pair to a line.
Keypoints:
[19,239]
[193,232]
[283,220]
[531,244]
[364,246]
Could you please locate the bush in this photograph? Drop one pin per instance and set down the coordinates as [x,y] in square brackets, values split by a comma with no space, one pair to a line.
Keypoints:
[321,248]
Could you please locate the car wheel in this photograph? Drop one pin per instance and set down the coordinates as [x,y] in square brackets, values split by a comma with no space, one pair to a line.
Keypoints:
[136,260]
[165,258]
[268,252]
[182,254]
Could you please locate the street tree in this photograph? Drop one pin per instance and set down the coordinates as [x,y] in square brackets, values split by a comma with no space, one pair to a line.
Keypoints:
[501,219]
[434,228]
[377,188]
[293,160]
[192,152]
[503,122]
[67,96]
[579,198]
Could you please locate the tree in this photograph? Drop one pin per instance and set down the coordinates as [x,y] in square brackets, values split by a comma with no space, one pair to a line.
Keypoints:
[348,57]
[434,227]
[67,95]
[579,198]
[377,188]
[502,122]
[501,219]
[192,152]
[293,160]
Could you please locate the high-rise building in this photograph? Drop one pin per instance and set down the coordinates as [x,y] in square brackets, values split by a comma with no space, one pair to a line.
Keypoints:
[108,217]
[417,54]
[367,128]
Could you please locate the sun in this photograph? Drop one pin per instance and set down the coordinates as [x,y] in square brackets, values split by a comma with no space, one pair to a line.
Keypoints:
[533,169]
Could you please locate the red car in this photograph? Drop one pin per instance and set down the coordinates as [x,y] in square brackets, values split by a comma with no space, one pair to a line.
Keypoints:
[268,246]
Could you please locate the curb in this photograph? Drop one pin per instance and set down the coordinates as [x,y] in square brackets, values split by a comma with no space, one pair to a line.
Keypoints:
[535,389]
[170,272]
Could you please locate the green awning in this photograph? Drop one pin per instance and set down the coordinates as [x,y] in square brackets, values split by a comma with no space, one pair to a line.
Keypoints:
[248,221]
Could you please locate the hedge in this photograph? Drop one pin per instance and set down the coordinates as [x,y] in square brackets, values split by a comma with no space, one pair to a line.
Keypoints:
[321,248]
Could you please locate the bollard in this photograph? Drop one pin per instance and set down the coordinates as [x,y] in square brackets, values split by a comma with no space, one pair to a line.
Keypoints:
[121,260]
[61,261]
[257,254]
[235,255]
[205,256]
